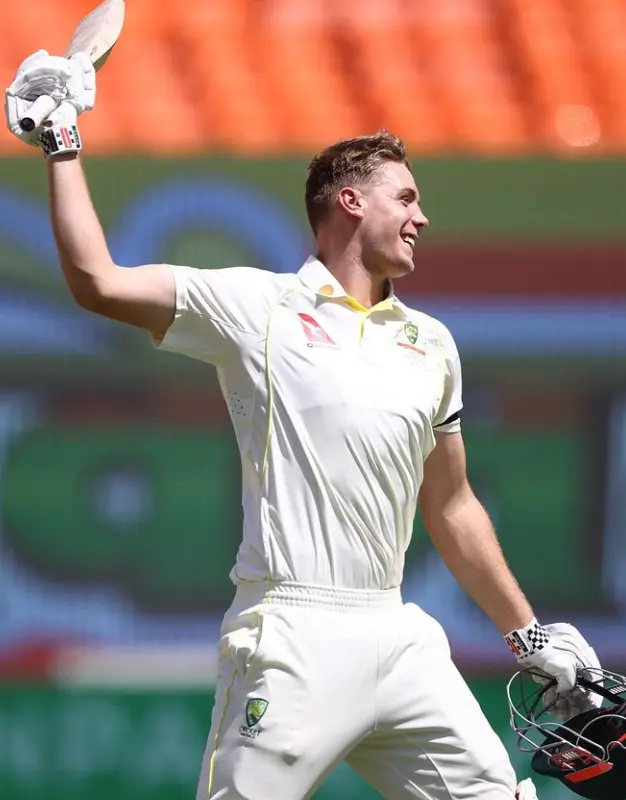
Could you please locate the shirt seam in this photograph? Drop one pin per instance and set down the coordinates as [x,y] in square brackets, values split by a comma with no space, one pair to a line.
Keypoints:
[229,325]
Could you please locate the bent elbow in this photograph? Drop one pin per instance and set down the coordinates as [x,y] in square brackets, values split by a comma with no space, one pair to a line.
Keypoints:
[88,290]
[87,298]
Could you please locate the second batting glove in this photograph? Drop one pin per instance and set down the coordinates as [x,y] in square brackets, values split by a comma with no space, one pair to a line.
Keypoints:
[559,652]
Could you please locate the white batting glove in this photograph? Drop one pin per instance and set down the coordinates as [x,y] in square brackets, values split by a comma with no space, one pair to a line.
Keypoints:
[526,790]
[557,651]
[71,81]
[568,638]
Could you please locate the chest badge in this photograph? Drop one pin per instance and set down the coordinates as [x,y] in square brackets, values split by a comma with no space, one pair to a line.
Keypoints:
[411,332]
[314,332]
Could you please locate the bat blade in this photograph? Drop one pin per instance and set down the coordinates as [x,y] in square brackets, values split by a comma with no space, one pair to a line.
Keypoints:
[96,36]
[98,32]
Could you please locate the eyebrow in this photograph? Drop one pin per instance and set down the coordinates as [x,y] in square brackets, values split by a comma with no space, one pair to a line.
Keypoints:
[409,192]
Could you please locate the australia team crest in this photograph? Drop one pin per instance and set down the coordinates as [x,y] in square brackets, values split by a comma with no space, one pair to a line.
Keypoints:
[411,332]
[255,709]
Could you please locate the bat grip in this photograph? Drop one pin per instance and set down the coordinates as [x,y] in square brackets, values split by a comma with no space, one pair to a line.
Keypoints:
[40,110]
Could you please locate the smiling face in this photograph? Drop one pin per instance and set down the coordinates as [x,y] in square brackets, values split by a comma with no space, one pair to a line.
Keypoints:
[361,198]
[390,220]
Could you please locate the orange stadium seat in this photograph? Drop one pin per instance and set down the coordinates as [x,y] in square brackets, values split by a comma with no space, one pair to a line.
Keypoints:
[299,66]
[476,88]
[387,72]
[8,143]
[560,89]
[38,25]
[601,28]
[220,77]
[265,76]
[148,85]
[140,108]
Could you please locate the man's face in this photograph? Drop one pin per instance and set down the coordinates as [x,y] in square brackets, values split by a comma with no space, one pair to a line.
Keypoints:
[391,221]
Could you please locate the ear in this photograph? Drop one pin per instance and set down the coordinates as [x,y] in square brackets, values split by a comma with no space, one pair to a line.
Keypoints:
[352,202]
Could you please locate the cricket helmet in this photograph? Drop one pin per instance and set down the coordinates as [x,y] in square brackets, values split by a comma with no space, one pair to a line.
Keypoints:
[587,752]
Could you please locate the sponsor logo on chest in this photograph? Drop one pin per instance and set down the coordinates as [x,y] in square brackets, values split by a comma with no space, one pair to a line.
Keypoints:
[315,335]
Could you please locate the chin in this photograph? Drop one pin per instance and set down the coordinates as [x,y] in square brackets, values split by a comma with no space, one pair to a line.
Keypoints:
[394,266]
[402,267]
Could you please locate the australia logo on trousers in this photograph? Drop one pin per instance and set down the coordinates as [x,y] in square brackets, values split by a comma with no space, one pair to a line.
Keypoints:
[255,709]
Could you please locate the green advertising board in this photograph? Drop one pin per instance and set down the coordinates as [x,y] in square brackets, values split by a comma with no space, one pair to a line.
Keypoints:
[468,199]
[95,744]
[154,510]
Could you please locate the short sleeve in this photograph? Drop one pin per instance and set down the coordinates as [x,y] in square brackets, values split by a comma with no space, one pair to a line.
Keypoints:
[448,417]
[216,310]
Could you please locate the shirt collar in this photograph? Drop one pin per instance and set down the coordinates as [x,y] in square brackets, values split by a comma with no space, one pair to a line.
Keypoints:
[315,276]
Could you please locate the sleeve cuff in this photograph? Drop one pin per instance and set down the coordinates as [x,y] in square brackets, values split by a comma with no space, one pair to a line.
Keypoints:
[451,425]
[181,306]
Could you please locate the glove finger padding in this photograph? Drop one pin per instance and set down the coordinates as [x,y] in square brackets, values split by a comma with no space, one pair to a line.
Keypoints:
[568,705]
[566,637]
[556,652]
[38,75]
[15,109]
[64,116]
[551,663]
[81,87]
[30,61]
[71,83]
[569,640]
[47,75]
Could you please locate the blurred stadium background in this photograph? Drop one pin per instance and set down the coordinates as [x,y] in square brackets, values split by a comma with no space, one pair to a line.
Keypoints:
[119,487]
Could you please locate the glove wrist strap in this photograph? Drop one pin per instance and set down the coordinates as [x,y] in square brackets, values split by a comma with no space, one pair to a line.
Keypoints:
[526,641]
[60,139]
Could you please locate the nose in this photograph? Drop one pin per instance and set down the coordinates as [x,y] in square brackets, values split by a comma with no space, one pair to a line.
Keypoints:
[420,220]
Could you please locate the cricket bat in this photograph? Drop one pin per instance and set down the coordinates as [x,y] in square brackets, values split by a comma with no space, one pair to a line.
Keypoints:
[96,35]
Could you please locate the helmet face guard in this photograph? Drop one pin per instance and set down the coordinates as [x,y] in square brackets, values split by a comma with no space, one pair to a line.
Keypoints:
[587,753]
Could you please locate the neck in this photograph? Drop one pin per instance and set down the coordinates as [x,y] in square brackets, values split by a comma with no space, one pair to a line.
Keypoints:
[365,288]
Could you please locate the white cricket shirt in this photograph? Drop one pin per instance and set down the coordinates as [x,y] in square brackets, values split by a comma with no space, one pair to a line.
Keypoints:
[333,407]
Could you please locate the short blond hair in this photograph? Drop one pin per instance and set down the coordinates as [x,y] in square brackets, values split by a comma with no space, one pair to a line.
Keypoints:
[345,163]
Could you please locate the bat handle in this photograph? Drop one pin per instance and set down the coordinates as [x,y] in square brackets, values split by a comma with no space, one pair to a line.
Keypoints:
[40,110]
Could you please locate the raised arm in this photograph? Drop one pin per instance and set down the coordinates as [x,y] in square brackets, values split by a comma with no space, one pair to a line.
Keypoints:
[143,296]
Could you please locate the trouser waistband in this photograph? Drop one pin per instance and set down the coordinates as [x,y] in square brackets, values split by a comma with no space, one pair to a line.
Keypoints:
[304,595]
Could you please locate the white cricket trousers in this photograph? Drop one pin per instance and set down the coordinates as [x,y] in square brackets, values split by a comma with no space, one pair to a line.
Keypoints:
[311,676]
